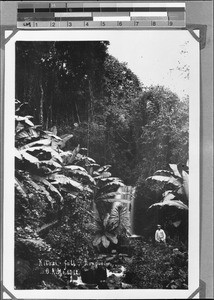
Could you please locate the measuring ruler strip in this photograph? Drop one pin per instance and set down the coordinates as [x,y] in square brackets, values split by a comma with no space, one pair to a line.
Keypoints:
[77,14]
[95,24]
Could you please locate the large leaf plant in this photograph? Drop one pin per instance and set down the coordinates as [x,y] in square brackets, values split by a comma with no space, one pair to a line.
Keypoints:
[107,228]
[174,184]
[56,192]
[50,189]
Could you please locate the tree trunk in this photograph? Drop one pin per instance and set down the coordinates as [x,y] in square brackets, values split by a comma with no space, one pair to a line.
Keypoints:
[90,113]
[41,112]
[78,118]
[90,102]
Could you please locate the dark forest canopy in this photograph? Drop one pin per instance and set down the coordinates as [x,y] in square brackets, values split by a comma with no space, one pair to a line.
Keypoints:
[81,89]
[64,73]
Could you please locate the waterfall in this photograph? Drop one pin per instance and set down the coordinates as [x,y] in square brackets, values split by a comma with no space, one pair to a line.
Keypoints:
[125,194]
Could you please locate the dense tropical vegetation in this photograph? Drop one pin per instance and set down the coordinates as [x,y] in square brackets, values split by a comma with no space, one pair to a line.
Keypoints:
[98,129]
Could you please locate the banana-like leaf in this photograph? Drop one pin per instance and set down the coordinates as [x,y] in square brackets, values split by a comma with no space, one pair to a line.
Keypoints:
[96,217]
[105,221]
[65,138]
[21,118]
[168,195]
[23,133]
[18,154]
[89,160]
[107,196]
[33,184]
[83,149]
[32,181]
[55,144]
[33,131]
[81,173]
[103,168]
[74,167]
[186,183]
[24,120]
[103,176]
[19,127]
[180,190]
[46,194]
[77,170]
[30,158]
[159,178]
[69,157]
[42,142]
[113,183]
[167,179]
[174,168]
[50,163]
[84,175]
[50,186]
[109,179]
[111,237]
[54,130]
[87,189]
[105,241]
[94,165]
[176,203]
[97,240]
[43,149]
[95,174]
[93,227]
[119,218]
[20,188]
[163,173]
[63,180]
[28,122]
[49,134]
[29,117]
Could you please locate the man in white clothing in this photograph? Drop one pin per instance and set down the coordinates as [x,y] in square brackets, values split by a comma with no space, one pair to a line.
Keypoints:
[160,235]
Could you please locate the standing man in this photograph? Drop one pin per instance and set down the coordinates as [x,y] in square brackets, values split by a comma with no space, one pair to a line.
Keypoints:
[160,235]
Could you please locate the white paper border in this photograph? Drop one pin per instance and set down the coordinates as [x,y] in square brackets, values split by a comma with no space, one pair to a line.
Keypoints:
[8,200]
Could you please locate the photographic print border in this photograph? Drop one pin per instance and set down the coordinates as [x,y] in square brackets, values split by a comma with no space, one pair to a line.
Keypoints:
[194,162]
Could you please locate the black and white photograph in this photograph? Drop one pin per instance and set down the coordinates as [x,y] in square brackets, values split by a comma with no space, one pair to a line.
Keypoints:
[105,128]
